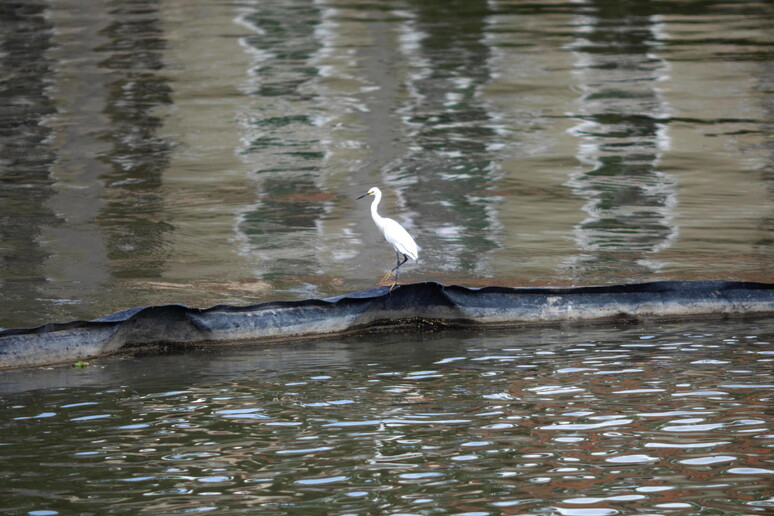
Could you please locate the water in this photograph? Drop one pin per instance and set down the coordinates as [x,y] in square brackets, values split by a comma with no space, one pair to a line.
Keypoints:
[207,152]
[671,419]
[210,152]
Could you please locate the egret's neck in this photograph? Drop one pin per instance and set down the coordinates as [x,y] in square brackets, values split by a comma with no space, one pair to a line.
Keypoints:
[374,214]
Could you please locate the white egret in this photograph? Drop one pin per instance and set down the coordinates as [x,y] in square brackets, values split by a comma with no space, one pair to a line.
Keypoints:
[394,233]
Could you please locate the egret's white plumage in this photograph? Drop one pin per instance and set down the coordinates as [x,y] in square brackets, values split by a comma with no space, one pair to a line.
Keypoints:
[393,232]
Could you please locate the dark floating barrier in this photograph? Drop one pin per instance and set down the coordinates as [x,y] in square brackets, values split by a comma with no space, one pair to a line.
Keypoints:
[429,303]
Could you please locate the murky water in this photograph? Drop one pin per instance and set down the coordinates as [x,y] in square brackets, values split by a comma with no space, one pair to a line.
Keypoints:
[672,419]
[207,152]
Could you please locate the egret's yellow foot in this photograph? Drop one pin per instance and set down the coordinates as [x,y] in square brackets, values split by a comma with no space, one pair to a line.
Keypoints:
[386,276]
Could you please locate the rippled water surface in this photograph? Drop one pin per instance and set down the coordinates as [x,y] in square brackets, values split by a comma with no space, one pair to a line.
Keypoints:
[204,152]
[672,419]
[159,151]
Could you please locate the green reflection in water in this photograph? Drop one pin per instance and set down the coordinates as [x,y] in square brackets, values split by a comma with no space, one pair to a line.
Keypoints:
[520,143]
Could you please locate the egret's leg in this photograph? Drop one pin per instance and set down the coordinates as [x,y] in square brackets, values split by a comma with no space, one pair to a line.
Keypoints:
[391,273]
[397,267]
[399,263]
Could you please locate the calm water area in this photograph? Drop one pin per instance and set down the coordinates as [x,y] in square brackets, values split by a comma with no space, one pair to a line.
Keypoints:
[209,152]
[206,152]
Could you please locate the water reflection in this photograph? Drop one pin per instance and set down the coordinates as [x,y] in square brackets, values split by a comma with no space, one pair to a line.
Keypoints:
[78,251]
[616,420]
[414,100]
[25,183]
[452,131]
[622,127]
[764,243]
[133,213]
[154,154]
[471,114]
[282,129]
[91,92]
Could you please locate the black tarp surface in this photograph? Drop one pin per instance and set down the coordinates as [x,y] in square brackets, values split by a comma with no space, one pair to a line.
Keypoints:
[429,303]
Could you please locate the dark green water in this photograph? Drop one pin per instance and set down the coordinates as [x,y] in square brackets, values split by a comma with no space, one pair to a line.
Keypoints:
[673,419]
[209,152]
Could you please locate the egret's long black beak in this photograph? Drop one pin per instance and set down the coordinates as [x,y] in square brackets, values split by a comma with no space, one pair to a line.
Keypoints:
[364,195]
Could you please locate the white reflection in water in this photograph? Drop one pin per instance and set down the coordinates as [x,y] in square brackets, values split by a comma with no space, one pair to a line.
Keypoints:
[630,202]
[399,418]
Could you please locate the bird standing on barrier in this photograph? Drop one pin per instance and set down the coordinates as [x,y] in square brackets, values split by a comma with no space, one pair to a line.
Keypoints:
[394,233]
